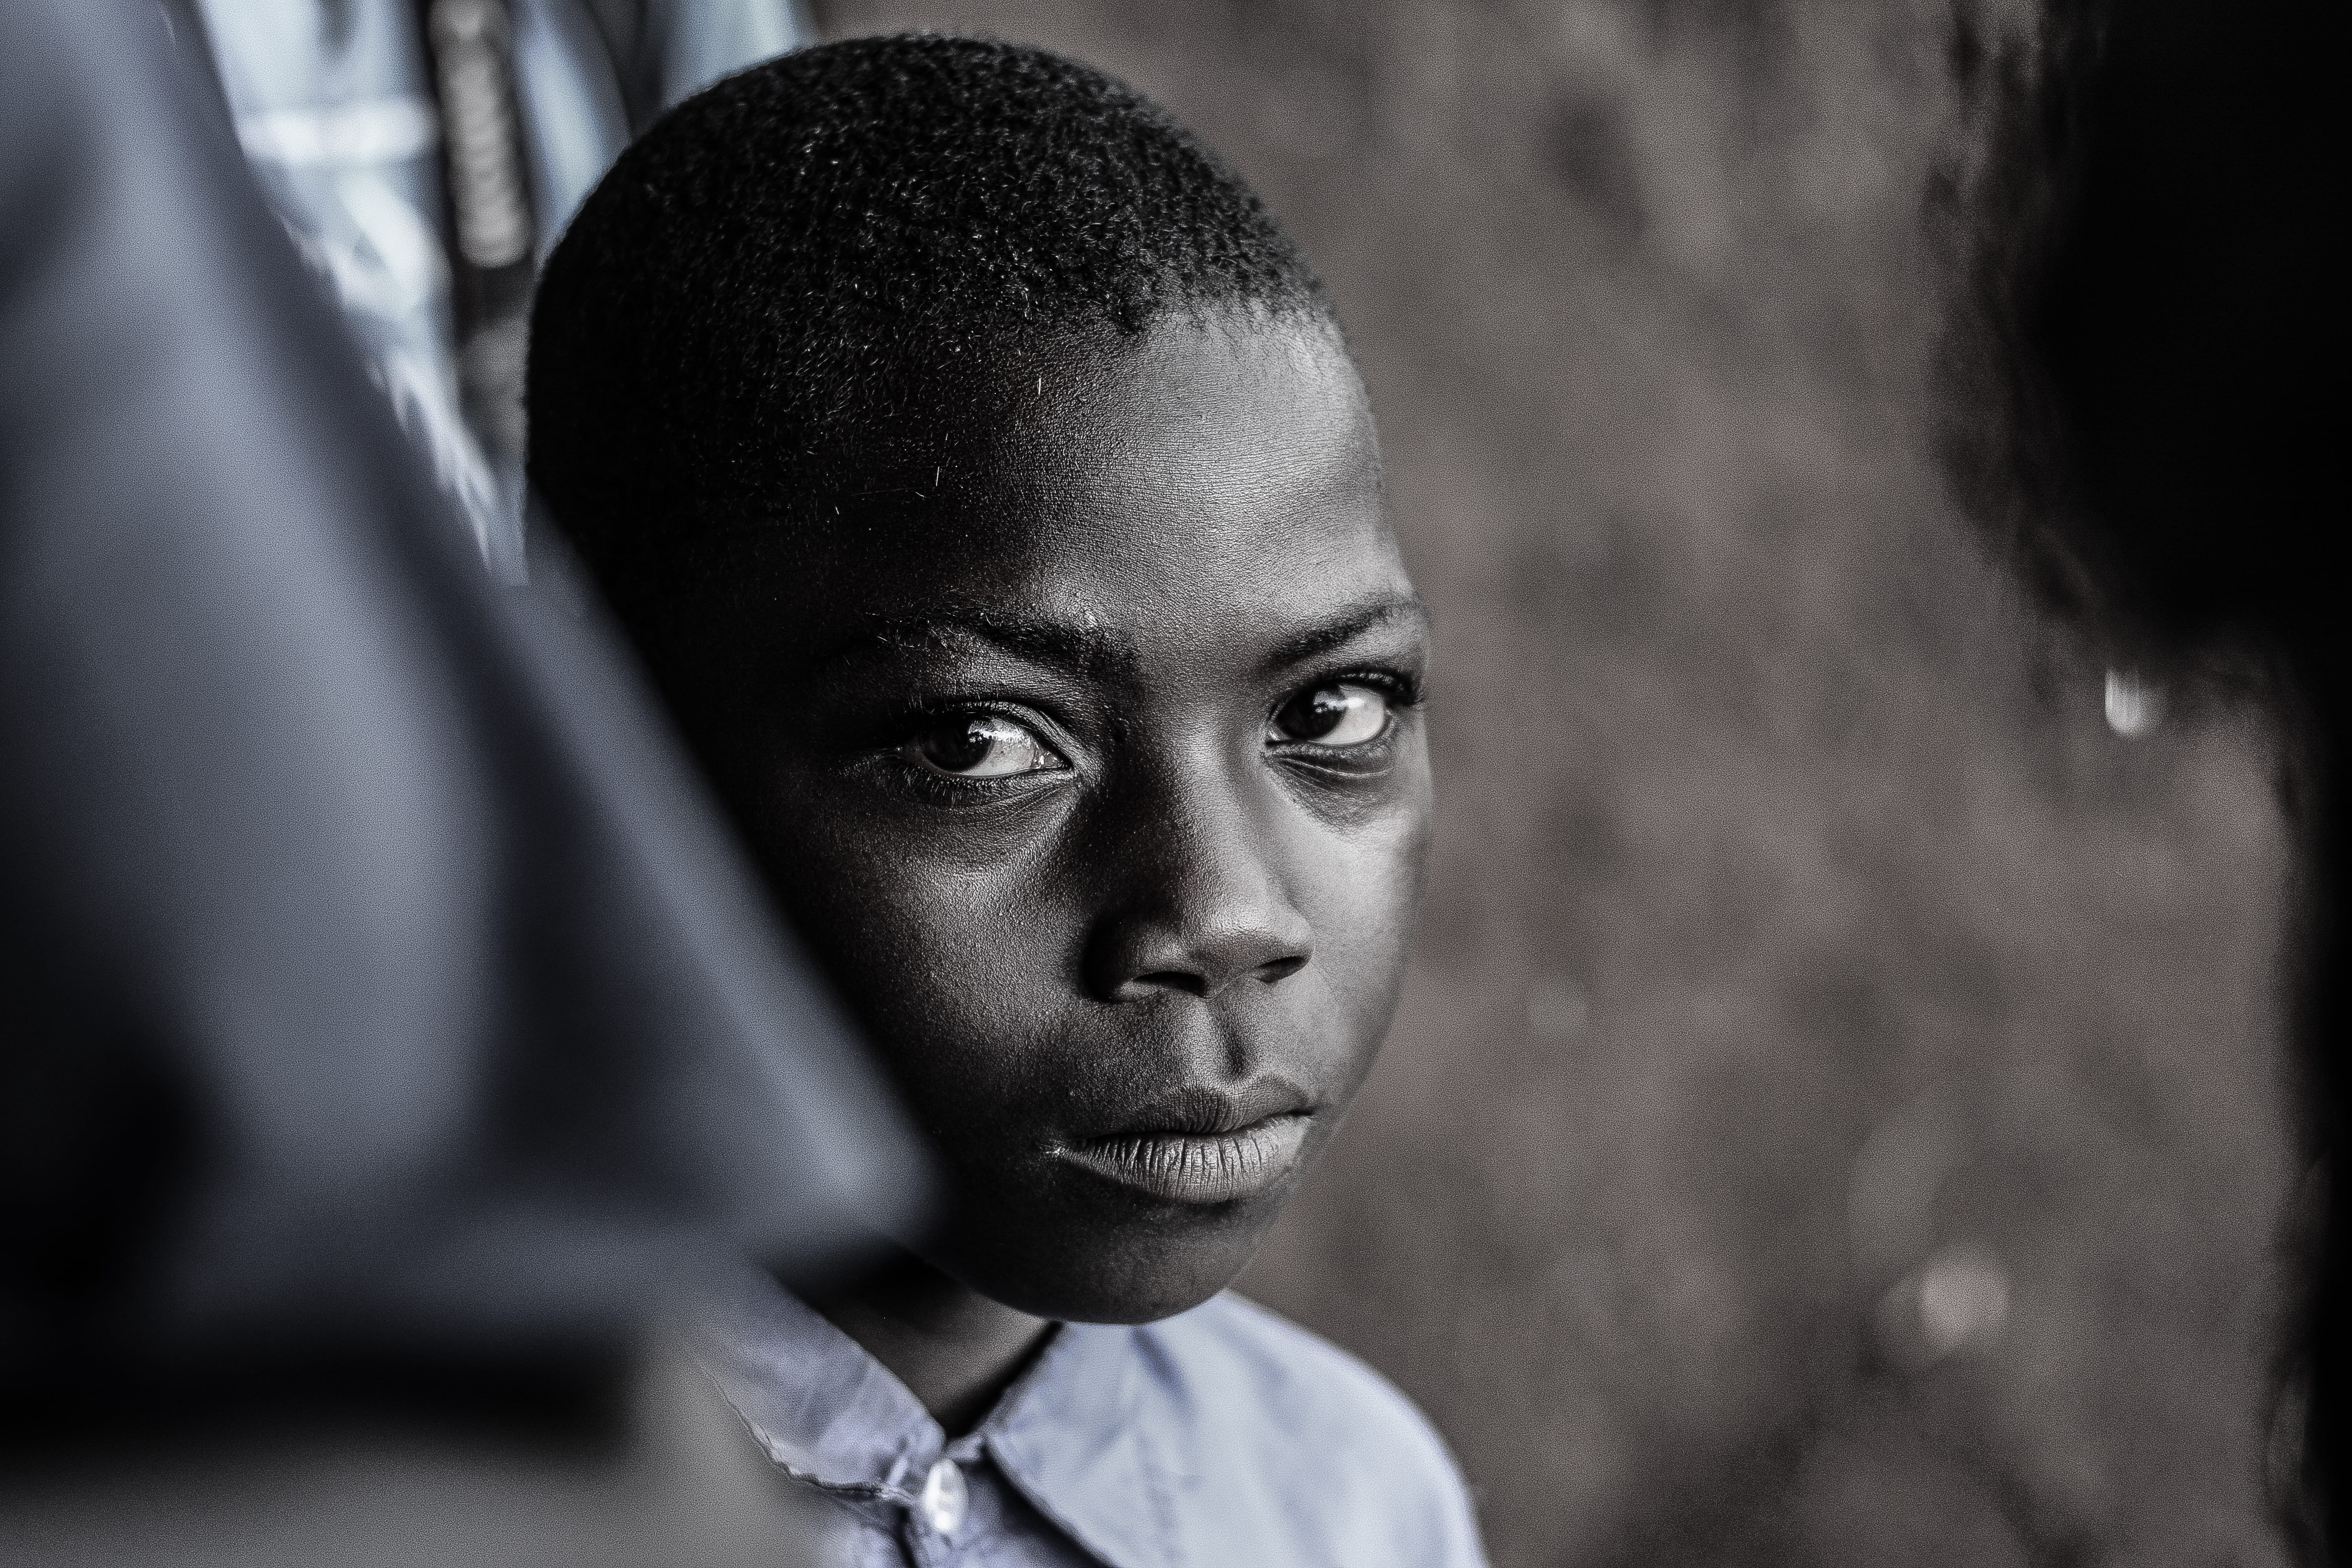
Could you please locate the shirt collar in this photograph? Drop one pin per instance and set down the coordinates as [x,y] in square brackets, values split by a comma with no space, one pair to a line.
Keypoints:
[1071,1439]
[827,1413]
[824,1410]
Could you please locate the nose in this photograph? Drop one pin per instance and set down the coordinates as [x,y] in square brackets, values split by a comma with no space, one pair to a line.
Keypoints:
[1200,908]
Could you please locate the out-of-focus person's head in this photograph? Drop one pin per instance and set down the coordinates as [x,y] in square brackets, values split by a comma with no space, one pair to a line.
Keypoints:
[2156,319]
[988,485]
[2144,416]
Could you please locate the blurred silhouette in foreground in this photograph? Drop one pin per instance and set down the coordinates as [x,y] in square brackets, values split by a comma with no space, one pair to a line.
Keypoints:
[2149,417]
[394,1034]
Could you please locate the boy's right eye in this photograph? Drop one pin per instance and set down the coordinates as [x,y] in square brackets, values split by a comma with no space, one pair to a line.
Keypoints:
[983,746]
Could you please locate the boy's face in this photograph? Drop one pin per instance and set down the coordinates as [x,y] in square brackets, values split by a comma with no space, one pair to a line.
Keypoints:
[1096,775]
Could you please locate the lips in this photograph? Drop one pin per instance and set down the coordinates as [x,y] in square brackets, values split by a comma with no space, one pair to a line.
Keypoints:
[1203,1146]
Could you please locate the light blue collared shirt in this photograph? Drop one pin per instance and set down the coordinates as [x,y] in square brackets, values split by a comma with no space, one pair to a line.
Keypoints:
[1225,1437]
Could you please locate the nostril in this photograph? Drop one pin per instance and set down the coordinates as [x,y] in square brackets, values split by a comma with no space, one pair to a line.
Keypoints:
[1174,980]
[1135,961]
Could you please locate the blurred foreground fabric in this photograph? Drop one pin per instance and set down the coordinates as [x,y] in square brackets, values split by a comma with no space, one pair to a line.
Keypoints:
[391,1024]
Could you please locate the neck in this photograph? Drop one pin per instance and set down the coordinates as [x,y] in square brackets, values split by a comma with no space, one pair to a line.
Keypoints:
[956,1349]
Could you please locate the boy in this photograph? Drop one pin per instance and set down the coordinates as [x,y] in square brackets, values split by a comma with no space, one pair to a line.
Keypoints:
[988,486]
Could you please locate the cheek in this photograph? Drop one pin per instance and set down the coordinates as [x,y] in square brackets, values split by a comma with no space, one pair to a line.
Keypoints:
[954,960]
[1360,889]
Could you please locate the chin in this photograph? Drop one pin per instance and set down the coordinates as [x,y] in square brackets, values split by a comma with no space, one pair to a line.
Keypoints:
[1153,1266]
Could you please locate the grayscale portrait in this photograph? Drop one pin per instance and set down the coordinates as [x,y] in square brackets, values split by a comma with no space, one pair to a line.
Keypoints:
[1031,784]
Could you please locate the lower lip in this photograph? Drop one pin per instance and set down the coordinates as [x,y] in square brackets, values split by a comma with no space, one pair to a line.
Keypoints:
[1198,1168]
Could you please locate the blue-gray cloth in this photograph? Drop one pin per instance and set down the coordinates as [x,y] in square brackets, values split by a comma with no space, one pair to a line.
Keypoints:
[383,990]
[1225,1437]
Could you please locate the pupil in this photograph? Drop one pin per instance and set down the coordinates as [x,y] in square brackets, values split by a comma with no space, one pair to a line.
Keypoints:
[1317,713]
[960,747]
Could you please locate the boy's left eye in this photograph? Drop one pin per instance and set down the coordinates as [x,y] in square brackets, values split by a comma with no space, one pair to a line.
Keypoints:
[983,746]
[1343,713]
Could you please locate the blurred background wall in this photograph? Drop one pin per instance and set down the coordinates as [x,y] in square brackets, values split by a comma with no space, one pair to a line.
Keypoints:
[1837,1115]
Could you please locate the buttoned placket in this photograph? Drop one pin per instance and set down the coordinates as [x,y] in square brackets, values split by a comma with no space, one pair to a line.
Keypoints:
[837,1422]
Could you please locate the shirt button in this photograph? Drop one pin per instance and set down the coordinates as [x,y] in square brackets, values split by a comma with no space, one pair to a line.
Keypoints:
[944,1497]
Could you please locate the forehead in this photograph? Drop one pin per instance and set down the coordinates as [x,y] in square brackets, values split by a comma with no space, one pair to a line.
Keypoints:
[1209,482]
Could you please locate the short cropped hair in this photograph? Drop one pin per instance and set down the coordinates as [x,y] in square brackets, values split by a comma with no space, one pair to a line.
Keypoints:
[738,312]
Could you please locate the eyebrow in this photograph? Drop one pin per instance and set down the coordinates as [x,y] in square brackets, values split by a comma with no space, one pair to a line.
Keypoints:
[1086,650]
[1346,627]
[1058,644]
